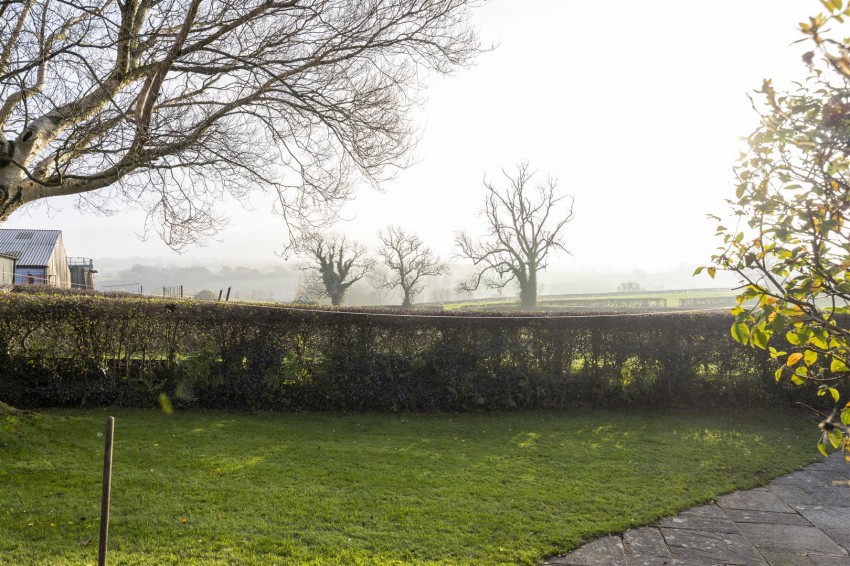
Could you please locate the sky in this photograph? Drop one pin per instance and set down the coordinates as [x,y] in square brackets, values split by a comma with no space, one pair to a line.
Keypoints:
[637,108]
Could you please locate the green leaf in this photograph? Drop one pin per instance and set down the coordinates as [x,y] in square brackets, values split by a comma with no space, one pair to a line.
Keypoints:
[819,338]
[741,332]
[834,392]
[822,448]
[165,404]
[778,374]
[845,417]
[838,365]
[712,271]
[792,338]
[810,357]
[797,380]
[739,190]
[759,338]
[835,438]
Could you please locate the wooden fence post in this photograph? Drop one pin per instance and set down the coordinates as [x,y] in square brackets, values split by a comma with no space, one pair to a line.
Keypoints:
[107,491]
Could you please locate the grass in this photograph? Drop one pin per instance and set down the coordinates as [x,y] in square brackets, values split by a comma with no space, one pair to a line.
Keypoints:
[225,488]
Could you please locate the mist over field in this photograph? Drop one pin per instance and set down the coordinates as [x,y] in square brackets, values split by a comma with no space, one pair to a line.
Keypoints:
[282,282]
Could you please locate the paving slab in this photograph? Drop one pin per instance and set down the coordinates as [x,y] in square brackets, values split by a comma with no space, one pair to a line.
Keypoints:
[711,511]
[826,516]
[605,550]
[828,475]
[753,501]
[794,496]
[791,538]
[800,519]
[801,479]
[745,516]
[725,548]
[829,561]
[785,559]
[697,523]
[836,462]
[644,544]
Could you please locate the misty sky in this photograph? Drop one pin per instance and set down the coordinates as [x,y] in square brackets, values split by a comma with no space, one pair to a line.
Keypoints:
[636,107]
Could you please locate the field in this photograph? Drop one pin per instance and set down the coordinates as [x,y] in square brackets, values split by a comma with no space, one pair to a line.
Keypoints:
[644,300]
[227,488]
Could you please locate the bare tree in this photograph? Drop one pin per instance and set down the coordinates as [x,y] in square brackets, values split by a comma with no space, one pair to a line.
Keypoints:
[337,263]
[524,225]
[377,280]
[171,105]
[629,287]
[408,261]
[441,295]
[310,289]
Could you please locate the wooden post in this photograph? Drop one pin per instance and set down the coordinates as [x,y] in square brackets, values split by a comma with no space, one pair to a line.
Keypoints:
[107,491]
[220,291]
[227,298]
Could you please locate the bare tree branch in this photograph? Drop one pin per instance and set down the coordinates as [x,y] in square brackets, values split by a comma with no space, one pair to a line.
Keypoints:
[174,105]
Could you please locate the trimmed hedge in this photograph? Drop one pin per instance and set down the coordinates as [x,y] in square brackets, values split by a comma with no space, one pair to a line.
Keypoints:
[72,349]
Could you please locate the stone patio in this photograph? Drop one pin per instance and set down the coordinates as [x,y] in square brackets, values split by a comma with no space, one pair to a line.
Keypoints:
[802,519]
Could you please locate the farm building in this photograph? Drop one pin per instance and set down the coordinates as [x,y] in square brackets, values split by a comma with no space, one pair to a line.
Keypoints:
[40,256]
[82,272]
[7,270]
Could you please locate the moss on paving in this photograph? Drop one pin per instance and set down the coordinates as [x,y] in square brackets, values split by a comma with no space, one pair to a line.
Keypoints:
[227,488]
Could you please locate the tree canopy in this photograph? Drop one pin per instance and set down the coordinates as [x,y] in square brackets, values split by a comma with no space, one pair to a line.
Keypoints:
[791,241]
[172,105]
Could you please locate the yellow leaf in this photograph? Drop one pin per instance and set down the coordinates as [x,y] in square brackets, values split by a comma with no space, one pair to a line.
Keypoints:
[793,359]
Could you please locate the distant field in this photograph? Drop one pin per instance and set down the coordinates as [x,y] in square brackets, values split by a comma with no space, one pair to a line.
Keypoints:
[646,300]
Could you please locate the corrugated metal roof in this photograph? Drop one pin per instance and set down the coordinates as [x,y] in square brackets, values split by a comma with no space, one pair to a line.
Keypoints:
[31,247]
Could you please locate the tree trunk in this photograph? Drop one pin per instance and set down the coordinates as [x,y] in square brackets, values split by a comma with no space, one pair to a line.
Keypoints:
[528,292]
[406,302]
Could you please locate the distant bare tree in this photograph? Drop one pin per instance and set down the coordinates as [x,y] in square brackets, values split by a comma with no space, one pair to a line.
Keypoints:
[408,261]
[337,263]
[628,287]
[377,280]
[310,289]
[171,105]
[441,295]
[524,225]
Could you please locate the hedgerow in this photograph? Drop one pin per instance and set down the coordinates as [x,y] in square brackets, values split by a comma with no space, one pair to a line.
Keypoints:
[72,349]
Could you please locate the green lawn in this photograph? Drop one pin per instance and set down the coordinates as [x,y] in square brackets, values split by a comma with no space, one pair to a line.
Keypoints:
[225,488]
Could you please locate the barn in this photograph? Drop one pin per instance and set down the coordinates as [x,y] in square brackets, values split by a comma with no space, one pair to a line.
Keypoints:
[7,270]
[40,256]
